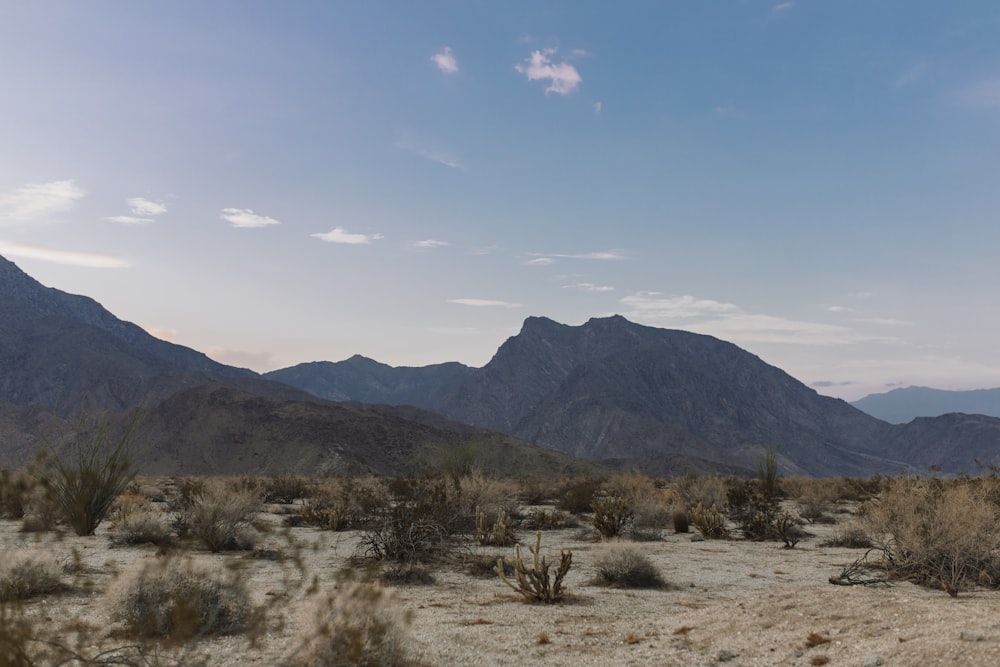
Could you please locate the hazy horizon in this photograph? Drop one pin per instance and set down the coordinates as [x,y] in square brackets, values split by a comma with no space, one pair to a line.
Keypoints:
[273,184]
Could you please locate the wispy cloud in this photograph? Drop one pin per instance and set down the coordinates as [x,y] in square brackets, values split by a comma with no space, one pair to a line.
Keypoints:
[341,235]
[563,77]
[432,153]
[730,322]
[38,200]
[781,8]
[246,218]
[428,244]
[590,287]
[910,76]
[484,303]
[544,258]
[981,95]
[141,209]
[598,107]
[258,361]
[145,207]
[445,61]
[163,333]
[67,257]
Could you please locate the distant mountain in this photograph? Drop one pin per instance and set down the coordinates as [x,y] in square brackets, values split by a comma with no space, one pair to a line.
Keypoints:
[900,406]
[670,401]
[66,352]
[61,354]
[368,381]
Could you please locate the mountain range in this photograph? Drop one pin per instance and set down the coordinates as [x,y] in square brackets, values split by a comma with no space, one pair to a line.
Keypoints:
[906,404]
[554,398]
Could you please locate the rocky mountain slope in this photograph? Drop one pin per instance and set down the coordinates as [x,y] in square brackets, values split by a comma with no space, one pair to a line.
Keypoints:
[900,406]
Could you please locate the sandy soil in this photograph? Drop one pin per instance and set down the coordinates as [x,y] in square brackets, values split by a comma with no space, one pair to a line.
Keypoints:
[732,602]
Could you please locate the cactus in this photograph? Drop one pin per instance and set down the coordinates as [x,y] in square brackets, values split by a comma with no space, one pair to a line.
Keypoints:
[499,534]
[534,582]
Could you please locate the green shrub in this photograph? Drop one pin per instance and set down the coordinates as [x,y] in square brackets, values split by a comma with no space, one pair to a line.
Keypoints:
[625,566]
[362,625]
[753,511]
[180,598]
[94,474]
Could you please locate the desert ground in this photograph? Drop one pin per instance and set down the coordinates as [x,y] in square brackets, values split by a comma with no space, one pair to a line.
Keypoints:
[727,601]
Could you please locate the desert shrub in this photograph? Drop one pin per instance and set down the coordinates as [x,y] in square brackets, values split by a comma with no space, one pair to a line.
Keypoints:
[626,566]
[344,503]
[536,490]
[141,526]
[752,510]
[362,625]
[549,519]
[936,533]
[25,573]
[407,574]
[41,509]
[284,488]
[706,491]
[423,517]
[816,497]
[651,506]
[220,513]
[97,469]
[15,490]
[766,463]
[612,516]
[180,598]
[681,521]
[859,490]
[479,491]
[850,537]
[533,580]
[496,532]
[575,494]
[709,522]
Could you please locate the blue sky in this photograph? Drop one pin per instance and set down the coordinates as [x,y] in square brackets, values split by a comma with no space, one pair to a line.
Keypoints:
[273,183]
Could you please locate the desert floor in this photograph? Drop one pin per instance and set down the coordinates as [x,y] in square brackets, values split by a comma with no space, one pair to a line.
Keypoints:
[737,602]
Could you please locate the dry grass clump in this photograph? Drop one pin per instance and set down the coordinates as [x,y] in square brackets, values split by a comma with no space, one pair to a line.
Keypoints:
[850,536]
[284,488]
[938,533]
[26,573]
[134,520]
[626,566]
[180,598]
[480,491]
[219,512]
[15,489]
[575,495]
[815,497]
[343,503]
[549,519]
[651,506]
[706,491]
[361,625]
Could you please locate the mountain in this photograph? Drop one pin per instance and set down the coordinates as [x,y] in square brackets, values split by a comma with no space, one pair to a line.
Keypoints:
[900,406]
[670,401]
[61,354]
[66,352]
[368,381]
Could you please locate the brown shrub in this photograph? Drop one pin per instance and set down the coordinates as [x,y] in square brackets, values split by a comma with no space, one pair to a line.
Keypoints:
[25,573]
[626,566]
[220,513]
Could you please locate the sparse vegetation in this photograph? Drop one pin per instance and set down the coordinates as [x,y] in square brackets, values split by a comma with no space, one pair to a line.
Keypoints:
[220,513]
[612,516]
[26,573]
[534,581]
[361,625]
[94,473]
[709,522]
[626,566]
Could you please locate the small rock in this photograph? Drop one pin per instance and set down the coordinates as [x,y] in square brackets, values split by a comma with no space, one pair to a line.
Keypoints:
[697,538]
[872,661]
[726,656]
[970,636]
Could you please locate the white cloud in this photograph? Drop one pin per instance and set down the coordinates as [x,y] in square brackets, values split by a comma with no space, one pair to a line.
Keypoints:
[88,259]
[590,287]
[484,303]
[245,217]
[840,309]
[130,220]
[781,7]
[445,61]
[163,333]
[144,207]
[341,235]
[730,322]
[982,95]
[598,107]
[429,243]
[601,255]
[36,200]
[563,77]
[540,261]
[430,153]
[258,361]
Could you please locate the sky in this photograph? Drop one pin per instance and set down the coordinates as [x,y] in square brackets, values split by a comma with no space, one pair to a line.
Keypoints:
[280,182]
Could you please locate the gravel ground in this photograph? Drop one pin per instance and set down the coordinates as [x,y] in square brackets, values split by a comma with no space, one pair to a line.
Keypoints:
[732,602]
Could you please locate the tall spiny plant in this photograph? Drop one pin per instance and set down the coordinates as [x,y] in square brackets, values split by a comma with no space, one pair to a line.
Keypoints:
[94,472]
